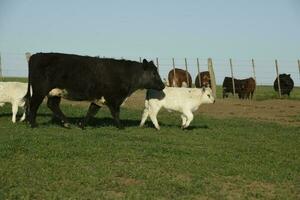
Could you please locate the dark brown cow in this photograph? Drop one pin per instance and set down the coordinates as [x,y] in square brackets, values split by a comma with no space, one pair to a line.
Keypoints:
[182,78]
[248,88]
[243,87]
[205,79]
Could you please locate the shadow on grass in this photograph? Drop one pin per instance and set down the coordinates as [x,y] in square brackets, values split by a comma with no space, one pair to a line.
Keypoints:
[149,124]
[95,122]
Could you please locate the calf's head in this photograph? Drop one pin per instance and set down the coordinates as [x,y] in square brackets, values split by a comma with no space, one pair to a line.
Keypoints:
[150,78]
[207,95]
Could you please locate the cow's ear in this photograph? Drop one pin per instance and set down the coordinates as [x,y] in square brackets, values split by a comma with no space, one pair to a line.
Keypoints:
[145,64]
[151,62]
[289,74]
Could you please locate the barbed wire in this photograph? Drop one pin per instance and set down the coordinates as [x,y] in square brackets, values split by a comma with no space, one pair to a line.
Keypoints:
[15,64]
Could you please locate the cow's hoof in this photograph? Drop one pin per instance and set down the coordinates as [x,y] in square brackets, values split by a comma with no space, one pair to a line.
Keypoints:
[81,125]
[67,125]
[33,125]
[121,127]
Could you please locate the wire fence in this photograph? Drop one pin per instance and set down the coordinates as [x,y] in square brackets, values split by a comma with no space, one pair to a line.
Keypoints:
[15,65]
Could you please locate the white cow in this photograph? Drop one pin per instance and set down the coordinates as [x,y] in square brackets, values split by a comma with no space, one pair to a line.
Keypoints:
[13,92]
[183,100]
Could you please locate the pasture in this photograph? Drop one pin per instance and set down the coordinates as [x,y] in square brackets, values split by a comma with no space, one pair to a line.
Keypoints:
[227,153]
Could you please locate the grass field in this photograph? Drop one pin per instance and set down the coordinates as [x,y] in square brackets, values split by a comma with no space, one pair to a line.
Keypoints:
[215,159]
[231,158]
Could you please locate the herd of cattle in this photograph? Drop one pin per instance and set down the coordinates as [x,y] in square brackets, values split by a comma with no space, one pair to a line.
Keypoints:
[105,81]
[244,88]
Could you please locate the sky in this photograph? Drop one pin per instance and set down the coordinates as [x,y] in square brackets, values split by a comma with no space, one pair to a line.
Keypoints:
[237,29]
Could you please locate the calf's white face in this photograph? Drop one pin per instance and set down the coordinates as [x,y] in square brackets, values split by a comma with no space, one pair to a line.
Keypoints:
[207,96]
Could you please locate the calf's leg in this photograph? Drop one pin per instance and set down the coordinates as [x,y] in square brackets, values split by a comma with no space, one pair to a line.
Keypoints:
[189,115]
[144,117]
[153,113]
[184,119]
[14,111]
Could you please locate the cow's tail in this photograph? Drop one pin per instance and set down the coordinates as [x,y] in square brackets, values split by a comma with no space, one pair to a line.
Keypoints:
[27,96]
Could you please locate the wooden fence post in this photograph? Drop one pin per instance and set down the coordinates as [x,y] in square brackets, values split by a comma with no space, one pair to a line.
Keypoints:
[157,64]
[186,73]
[233,84]
[254,74]
[140,59]
[1,77]
[198,67]
[299,66]
[278,81]
[28,55]
[174,77]
[212,77]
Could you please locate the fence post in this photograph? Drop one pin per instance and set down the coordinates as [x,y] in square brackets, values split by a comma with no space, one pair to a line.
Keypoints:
[186,73]
[157,64]
[212,77]
[254,74]
[140,59]
[232,78]
[1,77]
[27,54]
[299,66]
[174,77]
[278,81]
[198,67]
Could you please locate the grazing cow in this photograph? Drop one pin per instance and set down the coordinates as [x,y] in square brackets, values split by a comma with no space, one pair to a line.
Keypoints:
[179,78]
[286,84]
[205,80]
[13,92]
[243,87]
[86,78]
[183,100]
[247,88]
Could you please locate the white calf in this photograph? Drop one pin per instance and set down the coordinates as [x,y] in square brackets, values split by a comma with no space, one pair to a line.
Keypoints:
[183,100]
[13,92]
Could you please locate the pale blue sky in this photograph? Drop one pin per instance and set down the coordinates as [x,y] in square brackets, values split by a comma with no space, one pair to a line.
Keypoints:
[240,29]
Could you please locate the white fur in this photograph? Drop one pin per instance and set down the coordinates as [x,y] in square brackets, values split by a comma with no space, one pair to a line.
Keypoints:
[183,100]
[13,92]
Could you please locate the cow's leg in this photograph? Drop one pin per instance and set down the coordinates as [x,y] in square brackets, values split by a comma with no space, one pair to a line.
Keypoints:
[35,102]
[184,119]
[14,112]
[53,103]
[93,109]
[115,112]
[144,117]
[189,115]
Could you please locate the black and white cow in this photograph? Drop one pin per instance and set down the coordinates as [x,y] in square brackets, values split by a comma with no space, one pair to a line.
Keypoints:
[86,78]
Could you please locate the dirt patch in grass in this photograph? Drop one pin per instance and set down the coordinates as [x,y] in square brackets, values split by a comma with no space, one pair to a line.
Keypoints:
[282,111]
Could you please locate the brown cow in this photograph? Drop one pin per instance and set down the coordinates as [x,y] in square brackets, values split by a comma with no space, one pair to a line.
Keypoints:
[248,88]
[182,78]
[205,79]
[243,87]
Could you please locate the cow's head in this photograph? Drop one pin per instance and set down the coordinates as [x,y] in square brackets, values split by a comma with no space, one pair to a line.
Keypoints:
[207,95]
[150,77]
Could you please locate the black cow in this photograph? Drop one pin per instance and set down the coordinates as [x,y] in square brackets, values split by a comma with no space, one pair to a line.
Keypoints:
[86,78]
[286,84]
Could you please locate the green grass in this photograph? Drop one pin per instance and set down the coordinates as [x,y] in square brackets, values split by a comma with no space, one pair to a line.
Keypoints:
[215,159]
